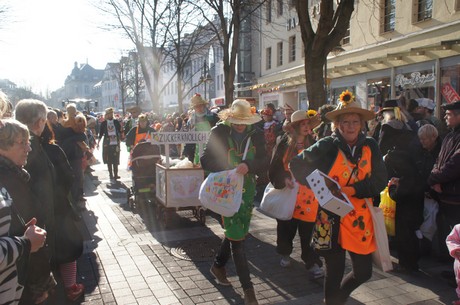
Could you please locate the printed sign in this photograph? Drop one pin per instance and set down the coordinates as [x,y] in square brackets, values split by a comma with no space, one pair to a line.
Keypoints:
[449,93]
[180,137]
[416,79]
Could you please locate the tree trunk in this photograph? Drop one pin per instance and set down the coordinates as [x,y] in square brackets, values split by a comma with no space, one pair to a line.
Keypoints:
[314,74]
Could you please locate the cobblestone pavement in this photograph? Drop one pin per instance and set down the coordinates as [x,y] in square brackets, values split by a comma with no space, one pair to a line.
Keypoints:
[130,258]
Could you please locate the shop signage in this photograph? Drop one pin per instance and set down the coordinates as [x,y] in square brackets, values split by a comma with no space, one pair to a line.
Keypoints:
[416,79]
[180,137]
[449,93]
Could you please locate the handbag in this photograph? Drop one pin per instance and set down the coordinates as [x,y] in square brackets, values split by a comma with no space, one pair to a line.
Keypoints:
[430,210]
[68,239]
[279,203]
[222,192]
[381,257]
[388,207]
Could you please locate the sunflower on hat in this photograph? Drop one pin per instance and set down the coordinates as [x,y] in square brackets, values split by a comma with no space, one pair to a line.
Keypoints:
[346,97]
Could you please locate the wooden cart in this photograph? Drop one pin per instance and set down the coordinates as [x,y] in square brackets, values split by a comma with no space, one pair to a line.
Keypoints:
[177,188]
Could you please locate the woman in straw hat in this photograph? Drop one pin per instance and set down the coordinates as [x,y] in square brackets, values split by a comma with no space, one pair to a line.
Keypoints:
[301,124]
[224,151]
[354,161]
[110,130]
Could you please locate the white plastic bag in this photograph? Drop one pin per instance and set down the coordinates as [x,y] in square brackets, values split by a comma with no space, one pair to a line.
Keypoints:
[430,211]
[279,203]
[222,192]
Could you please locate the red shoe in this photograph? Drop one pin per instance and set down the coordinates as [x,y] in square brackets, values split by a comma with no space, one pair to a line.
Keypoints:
[75,291]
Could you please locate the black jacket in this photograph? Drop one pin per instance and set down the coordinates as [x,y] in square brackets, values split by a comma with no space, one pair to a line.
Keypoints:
[323,154]
[215,155]
[446,171]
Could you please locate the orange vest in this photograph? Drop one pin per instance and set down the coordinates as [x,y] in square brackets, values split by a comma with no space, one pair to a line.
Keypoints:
[356,232]
[306,206]
[141,136]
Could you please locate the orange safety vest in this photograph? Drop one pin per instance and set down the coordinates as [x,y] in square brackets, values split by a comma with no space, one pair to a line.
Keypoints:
[356,232]
[306,206]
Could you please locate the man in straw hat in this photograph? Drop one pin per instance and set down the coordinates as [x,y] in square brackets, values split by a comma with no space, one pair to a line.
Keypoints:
[131,122]
[354,161]
[224,151]
[110,130]
[201,119]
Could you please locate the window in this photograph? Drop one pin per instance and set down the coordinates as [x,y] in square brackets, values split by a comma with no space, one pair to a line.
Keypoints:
[268,11]
[279,48]
[346,39]
[423,10]
[387,23]
[279,7]
[268,58]
[292,48]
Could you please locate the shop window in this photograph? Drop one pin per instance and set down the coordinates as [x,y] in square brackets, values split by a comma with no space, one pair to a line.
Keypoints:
[268,58]
[268,11]
[387,15]
[346,39]
[422,10]
[279,55]
[292,47]
[279,7]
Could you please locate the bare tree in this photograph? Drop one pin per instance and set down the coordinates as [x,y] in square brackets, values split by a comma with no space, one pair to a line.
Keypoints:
[143,21]
[332,27]
[186,40]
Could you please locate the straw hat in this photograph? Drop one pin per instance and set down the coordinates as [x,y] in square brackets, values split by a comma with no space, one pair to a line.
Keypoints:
[136,109]
[348,104]
[311,116]
[197,100]
[240,112]
[142,118]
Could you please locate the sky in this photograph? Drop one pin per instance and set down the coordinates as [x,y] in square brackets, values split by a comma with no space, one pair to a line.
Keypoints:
[40,40]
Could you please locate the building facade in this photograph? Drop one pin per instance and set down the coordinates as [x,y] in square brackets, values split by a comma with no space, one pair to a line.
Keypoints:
[394,48]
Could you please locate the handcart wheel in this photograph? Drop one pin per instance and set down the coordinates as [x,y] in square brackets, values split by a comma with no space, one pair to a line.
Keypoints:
[202,216]
[131,203]
[164,219]
[128,196]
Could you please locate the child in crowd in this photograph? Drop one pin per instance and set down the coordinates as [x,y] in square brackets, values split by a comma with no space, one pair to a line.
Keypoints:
[453,244]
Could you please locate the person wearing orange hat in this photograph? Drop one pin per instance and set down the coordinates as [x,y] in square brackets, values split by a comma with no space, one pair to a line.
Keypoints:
[354,161]
[301,137]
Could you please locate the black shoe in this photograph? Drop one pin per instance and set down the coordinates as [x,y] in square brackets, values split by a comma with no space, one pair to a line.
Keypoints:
[117,177]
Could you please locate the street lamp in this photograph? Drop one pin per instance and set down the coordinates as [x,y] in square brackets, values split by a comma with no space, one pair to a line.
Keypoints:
[205,78]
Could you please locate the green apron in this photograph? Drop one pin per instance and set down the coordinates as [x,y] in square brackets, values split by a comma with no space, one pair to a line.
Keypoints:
[237,226]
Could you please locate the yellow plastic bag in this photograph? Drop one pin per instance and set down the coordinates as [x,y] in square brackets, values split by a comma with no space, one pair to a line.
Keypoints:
[388,207]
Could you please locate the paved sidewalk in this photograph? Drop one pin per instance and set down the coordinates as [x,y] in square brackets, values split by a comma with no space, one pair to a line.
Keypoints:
[129,259]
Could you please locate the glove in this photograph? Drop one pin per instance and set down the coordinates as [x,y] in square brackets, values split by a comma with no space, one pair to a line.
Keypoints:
[349,191]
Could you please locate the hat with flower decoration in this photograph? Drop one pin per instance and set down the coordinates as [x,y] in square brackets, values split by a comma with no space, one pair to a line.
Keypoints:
[197,100]
[348,104]
[240,112]
[310,115]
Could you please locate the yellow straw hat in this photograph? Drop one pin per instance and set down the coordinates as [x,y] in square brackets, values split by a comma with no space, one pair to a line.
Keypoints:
[348,104]
[240,112]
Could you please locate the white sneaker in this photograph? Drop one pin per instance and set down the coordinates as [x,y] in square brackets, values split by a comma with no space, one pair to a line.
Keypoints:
[316,272]
[285,261]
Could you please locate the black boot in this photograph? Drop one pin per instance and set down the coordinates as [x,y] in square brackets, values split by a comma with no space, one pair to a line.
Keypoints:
[115,171]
